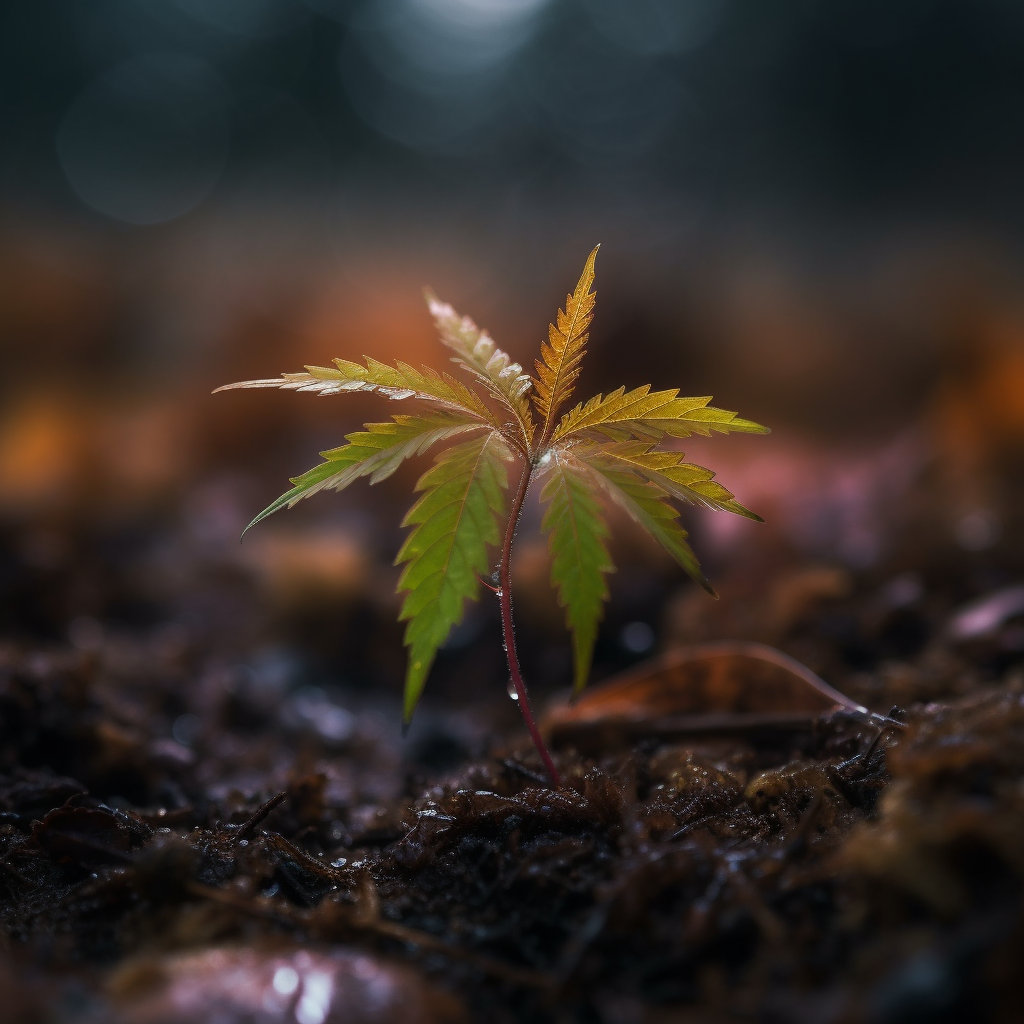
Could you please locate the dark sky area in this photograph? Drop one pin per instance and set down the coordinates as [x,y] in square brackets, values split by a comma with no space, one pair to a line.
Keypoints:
[143,110]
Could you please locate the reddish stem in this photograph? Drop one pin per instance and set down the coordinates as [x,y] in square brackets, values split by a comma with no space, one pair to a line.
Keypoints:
[508,629]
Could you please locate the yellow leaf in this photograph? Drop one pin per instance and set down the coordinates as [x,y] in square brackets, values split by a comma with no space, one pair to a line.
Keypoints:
[683,480]
[645,502]
[396,382]
[648,415]
[561,354]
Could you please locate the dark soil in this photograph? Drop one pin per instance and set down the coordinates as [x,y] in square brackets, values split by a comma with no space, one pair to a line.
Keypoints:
[192,832]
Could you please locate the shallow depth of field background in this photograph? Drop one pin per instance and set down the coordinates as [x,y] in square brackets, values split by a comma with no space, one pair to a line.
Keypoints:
[811,209]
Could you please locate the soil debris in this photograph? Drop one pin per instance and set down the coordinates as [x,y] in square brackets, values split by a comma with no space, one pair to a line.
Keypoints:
[196,824]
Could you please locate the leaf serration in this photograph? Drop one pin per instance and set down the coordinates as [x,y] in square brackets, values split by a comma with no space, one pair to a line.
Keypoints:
[607,447]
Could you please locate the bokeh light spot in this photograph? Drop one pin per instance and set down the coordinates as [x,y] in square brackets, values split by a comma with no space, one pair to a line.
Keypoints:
[147,141]
[660,26]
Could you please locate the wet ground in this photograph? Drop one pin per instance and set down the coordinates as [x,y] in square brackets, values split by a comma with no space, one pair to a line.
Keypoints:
[197,824]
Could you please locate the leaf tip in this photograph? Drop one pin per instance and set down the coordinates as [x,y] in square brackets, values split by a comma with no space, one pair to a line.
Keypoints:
[241,536]
[434,304]
[415,679]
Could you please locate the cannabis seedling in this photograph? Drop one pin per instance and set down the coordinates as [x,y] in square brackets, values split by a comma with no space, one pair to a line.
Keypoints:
[606,447]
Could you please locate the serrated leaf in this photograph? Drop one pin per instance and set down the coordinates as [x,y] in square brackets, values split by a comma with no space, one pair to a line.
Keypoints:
[577,531]
[476,352]
[683,480]
[602,448]
[647,415]
[455,522]
[397,382]
[376,452]
[561,355]
[645,502]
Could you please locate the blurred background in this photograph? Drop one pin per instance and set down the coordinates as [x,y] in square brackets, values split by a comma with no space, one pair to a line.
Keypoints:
[810,209]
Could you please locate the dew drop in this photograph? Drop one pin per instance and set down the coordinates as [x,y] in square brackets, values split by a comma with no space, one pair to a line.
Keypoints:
[511,688]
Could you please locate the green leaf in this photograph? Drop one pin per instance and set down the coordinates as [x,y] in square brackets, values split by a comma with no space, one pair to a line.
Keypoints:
[457,519]
[683,480]
[645,502]
[376,452]
[577,532]
[648,415]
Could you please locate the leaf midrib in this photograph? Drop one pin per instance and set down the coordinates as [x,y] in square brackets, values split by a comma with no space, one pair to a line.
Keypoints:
[569,336]
[449,536]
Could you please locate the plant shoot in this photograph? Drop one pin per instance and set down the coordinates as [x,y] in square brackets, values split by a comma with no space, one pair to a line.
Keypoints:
[505,426]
